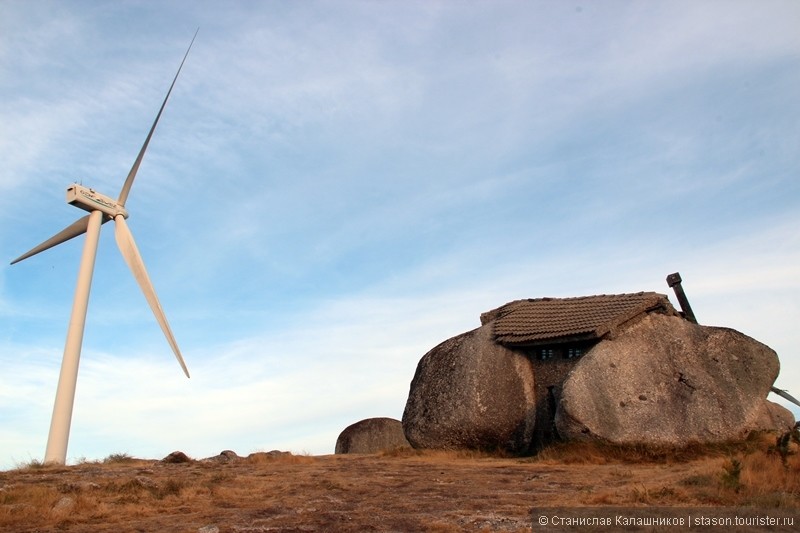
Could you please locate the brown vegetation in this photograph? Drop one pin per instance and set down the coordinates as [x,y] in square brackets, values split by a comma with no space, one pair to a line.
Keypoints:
[405,490]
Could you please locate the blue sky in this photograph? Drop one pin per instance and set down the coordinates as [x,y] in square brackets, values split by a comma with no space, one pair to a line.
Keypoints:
[336,187]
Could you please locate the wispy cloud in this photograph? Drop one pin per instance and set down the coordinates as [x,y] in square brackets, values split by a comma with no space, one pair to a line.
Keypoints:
[336,188]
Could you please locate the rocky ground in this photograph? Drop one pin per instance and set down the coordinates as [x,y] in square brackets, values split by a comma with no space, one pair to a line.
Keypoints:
[400,491]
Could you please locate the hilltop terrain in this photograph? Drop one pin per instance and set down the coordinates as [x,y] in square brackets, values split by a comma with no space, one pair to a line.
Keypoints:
[404,490]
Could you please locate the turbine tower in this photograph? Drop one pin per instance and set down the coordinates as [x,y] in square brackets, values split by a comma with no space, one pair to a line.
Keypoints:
[101,209]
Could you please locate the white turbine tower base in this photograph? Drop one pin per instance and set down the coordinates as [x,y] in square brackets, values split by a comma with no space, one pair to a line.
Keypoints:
[101,210]
[68,378]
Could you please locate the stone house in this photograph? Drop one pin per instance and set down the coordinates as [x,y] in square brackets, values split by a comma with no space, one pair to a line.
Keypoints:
[554,333]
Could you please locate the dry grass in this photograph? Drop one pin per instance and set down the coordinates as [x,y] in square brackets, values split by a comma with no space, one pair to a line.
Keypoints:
[747,473]
[401,490]
[600,453]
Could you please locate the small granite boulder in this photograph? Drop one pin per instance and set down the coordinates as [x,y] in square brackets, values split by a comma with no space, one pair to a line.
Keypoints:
[372,435]
[225,456]
[176,458]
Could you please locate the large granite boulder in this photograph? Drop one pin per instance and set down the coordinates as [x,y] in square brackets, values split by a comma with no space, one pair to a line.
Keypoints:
[372,435]
[667,381]
[774,416]
[471,393]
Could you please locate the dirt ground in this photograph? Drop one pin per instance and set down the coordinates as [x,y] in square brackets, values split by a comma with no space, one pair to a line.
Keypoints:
[436,492]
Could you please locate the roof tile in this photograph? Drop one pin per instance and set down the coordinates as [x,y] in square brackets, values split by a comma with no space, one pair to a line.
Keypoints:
[542,320]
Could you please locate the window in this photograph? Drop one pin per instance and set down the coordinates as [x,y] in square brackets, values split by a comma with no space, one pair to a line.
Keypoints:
[546,353]
[574,353]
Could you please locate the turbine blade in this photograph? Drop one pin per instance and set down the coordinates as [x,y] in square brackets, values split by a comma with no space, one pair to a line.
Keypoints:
[126,188]
[73,230]
[784,394]
[131,255]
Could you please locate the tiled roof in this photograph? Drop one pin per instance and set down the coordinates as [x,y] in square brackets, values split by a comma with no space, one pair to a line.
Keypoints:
[547,320]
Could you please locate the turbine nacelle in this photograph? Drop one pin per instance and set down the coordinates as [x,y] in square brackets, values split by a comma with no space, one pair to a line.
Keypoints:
[91,200]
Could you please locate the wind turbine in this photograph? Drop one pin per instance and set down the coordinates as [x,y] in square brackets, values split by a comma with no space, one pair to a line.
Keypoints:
[101,209]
